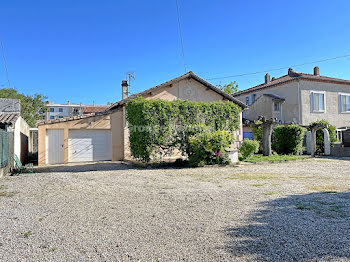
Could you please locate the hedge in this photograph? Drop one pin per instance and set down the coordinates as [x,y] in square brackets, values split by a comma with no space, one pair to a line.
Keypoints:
[288,139]
[157,127]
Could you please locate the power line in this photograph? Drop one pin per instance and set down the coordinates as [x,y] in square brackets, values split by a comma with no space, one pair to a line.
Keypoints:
[180,32]
[5,64]
[276,69]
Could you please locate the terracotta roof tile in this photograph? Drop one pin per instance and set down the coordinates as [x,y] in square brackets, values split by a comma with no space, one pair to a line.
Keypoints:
[9,118]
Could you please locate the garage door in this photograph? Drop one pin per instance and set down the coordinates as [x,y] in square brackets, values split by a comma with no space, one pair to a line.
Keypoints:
[54,146]
[89,145]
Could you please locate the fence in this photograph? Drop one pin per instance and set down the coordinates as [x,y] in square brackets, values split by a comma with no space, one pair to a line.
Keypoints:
[4,148]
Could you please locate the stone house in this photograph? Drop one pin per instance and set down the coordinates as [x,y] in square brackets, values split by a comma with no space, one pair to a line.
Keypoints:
[104,135]
[299,98]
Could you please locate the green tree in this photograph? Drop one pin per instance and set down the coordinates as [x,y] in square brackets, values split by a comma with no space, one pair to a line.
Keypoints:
[229,88]
[32,106]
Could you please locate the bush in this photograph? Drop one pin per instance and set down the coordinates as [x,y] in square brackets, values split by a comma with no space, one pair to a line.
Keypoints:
[288,139]
[157,127]
[209,148]
[249,148]
[320,136]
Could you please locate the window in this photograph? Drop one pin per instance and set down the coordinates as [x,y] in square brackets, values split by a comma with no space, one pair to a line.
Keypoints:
[60,109]
[276,107]
[52,117]
[318,101]
[344,102]
[247,100]
[60,117]
[52,109]
[253,98]
[75,111]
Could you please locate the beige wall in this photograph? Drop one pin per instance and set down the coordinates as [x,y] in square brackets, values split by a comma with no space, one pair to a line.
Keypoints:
[332,113]
[117,135]
[95,122]
[290,109]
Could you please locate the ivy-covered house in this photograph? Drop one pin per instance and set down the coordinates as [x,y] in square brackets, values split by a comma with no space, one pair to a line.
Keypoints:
[105,135]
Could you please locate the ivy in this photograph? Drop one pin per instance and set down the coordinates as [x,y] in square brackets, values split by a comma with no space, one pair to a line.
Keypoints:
[159,126]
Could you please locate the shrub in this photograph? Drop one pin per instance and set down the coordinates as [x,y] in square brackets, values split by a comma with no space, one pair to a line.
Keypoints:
[320,136]
[288,139]
[209,148]
[159,126]
[249,148]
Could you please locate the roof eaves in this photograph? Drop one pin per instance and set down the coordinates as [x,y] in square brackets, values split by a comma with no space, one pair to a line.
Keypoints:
[187,75]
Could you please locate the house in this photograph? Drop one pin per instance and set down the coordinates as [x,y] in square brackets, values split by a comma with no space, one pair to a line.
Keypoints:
[104,135]
[64,110]
[11,121]
[299,98]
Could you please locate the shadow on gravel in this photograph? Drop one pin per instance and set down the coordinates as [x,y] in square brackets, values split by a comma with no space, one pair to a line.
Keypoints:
[314,227]
[84,167]
[105,166]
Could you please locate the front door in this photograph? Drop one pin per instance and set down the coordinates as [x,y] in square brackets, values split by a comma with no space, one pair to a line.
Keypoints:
[54,146]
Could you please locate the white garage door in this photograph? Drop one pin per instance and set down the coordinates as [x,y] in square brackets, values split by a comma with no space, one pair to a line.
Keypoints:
[89,145]
[54,146]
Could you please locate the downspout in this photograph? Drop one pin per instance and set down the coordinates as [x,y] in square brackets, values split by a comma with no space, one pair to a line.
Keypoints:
[299,103]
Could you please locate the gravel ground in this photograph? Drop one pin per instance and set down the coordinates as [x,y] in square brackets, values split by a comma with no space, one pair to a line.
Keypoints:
[295,211]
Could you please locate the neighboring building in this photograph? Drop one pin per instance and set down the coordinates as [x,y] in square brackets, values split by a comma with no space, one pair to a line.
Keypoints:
[105,136]
[299,98]
[57,111]
[11,121]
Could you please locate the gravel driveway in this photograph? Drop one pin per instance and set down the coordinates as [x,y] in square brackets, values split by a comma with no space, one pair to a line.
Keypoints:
[296,211]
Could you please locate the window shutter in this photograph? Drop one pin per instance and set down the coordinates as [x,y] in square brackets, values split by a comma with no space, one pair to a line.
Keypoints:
[341,103]
[312,101]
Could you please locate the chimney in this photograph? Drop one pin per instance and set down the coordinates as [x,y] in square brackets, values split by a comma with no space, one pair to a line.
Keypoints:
[267,78]
[290,71]
[68,102]
[273,78]
[93,102]
[316,71]
[124,89]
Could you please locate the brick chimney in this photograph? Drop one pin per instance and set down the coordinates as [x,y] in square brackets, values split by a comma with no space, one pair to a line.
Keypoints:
[267,78]
[290,71]
[316,71]
[125,90]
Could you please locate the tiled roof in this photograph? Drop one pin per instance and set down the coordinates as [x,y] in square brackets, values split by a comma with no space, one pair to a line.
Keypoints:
[93,109]
[275,97]
[70,118]
[9,118]
[292,76]
[114,107]
[185,76]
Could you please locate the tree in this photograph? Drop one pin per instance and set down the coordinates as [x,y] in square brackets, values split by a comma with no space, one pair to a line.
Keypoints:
[32,107]
[229,88]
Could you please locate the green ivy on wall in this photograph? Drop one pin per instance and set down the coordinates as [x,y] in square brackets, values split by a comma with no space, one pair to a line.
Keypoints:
[162,126]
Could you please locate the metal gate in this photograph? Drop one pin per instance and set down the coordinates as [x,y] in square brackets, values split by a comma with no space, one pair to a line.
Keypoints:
[4,148]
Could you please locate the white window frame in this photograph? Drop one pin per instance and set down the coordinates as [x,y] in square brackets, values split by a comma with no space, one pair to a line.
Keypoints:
[60,109]
[341,104]
[279,107]
[247,100]
[53,110]
[312,101]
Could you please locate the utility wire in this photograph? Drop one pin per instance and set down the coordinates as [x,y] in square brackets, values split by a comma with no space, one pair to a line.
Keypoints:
[180,32]
[5,64]
[276,69]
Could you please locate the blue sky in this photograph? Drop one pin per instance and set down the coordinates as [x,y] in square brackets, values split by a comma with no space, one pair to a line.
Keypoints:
[81,50]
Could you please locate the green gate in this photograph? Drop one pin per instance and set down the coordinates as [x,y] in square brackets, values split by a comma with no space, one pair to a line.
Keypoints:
[4,148]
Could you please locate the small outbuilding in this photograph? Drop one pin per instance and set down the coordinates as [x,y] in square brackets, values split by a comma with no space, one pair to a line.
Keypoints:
[105,136]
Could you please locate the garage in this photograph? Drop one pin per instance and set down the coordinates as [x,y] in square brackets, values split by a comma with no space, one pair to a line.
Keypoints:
[89,145]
